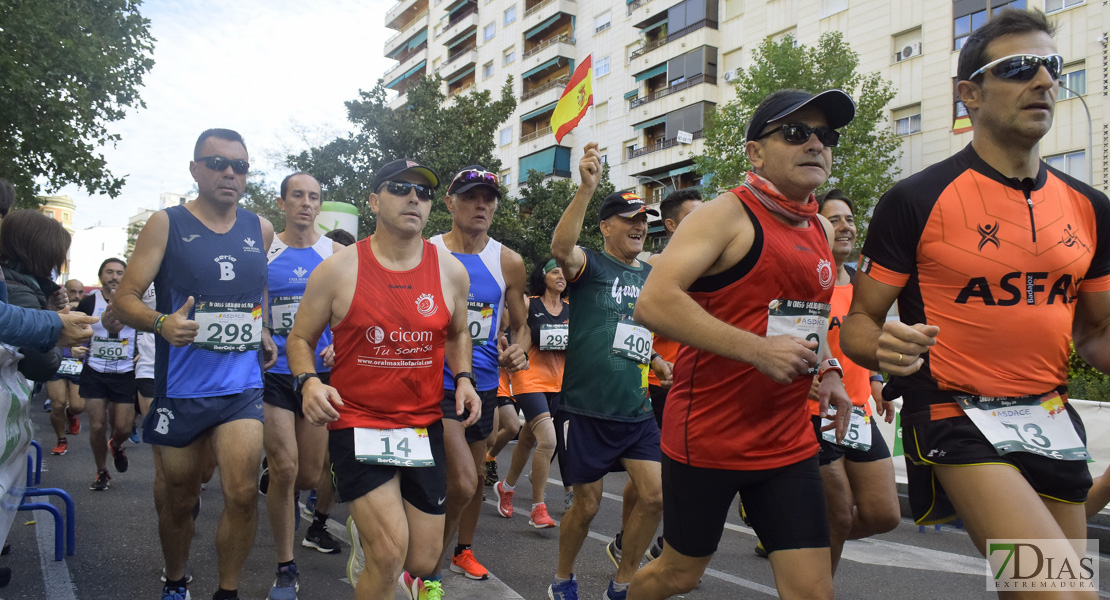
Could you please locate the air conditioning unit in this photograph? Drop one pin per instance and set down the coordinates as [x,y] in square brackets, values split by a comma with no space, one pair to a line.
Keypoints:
[908,51]
[730,75]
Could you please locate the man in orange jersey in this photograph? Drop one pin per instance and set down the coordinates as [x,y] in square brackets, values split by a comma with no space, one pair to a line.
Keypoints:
[397,309]
[745,286]
[996,261]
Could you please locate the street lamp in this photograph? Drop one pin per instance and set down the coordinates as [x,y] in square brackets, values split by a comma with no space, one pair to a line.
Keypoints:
[1090,133]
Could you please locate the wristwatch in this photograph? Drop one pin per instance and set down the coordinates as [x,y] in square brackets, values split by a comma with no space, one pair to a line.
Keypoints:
[830,364]
[468,375]
[298,381]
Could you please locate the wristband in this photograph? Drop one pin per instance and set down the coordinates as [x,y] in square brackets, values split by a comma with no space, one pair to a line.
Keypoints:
[655,355]
[878,378]
[830,364]
[525,354]
[158,323]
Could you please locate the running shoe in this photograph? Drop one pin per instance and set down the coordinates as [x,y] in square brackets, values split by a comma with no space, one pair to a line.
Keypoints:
[286,585]
[465,563]
[504,500]
[135,439]
[46,405]
[188,576]
[74,424]
[655,550]
[310,504]
[540,519]
[61,448]
[178,594]
[101,482]
[614,551]
[612,594]
[568,500]
[321,540]
[568,590]
[416,588]
[119,457]
[356,563]
[760,551]
[264,477]
[491,471]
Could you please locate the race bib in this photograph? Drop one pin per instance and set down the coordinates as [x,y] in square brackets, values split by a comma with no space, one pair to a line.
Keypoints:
[108,348]
[632,342]
[70,366]
[283,309]
[1034,424]
[409,447]
[479,320]
[859,430]
[554,337]
[800,318]
[229,326]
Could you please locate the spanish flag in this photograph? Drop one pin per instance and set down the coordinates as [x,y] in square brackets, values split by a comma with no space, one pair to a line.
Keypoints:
[576,98]
[962,124]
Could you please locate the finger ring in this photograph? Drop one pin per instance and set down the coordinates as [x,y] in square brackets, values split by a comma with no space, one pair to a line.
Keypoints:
[899,358]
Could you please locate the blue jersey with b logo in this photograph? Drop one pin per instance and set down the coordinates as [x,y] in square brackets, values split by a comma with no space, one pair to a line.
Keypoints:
[218,270]
[288,277]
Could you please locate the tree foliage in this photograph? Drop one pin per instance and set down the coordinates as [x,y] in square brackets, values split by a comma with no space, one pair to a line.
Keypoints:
[67,69]
[864,163]
[260,197]
[444,135]
[542,204]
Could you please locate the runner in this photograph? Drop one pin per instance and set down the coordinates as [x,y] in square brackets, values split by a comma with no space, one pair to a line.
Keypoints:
[65,399]
[745,286]
[537,391]
[496,286]
[208,384]
[609,426]
[295,450]
[506,425]
[996,261]
[108,379]
[397,307]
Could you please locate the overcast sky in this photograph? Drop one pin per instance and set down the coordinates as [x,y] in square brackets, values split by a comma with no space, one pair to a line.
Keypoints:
[266,68]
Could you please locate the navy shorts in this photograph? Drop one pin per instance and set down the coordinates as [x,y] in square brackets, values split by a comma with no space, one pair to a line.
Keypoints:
[423,487]
[480,430]
[277,390]
[596,446]
[114,387]
[786,506]
[177,422]
[831,451]
[534,404]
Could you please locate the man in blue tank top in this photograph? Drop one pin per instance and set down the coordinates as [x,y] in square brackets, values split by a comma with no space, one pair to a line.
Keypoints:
[207,260]
[295,451]
[497,286]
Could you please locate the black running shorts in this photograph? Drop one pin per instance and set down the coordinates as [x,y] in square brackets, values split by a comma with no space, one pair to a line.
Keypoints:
[423,487]
[480,430]
[831,452]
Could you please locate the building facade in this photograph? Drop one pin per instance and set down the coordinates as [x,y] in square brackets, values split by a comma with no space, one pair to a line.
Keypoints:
[661,65]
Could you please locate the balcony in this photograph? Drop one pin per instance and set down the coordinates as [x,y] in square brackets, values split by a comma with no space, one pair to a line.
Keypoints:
[554,160]
[408,63]
[399,102]
[535,135]
[399,40]
[401,82]
[546,7]
[467,10]
[632,6]
[665,144]
[467,19]
[667,91]
[555,84]
[400,14]
[565,38]
[460,58]
[674,35]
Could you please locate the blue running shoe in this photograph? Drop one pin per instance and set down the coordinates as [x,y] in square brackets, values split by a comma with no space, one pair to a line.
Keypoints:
[286,585]
[178,594]
[568,590]
[612,594]
[135,439]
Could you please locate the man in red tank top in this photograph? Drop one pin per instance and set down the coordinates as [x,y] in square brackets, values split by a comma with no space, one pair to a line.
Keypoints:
[745,287]
[397,308]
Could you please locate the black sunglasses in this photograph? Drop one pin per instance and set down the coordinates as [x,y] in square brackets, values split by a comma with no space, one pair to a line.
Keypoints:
[402,188]
[219,163]
[1022,67]
[798,133]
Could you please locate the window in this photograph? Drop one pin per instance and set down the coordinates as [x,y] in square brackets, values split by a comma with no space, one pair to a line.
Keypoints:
[907,120]
[792,33]
[1072,163]
[510,14]
[603,22]
[506,136]
[695,63]
[487,70]
[604,155]
[506,178]
[601,67]
[907,45]
[487,34]
[1055,5]
[1075,83]
[438,30]
[831,7]
[630,147]
[510,56]
[963,25]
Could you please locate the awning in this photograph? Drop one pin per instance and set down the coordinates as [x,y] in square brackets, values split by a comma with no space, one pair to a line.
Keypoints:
[538,28]
[539,111]
[416,40]
[680,170]
[649,123]
[659,70]
[408,73]
[548,161]
[460,75]
[456,7]
[653,26]
[462,38]
[546,65]
[632,94]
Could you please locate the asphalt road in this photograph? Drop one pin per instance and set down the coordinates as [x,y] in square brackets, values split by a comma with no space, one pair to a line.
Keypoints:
[119,556]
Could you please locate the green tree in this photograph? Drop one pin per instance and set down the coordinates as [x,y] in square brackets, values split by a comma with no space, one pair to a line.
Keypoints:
[260,197]
[542,204]
[864,163]
[67,69]
[445,135]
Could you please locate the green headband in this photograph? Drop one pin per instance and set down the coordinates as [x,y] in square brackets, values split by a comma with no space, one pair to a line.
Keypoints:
[550,266]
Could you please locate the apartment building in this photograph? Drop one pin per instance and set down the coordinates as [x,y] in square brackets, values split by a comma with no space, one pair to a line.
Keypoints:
[660,65]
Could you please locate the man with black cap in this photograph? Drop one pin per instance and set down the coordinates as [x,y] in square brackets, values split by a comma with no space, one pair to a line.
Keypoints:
[745,285]
[397,309]
[497,290]
[610,425]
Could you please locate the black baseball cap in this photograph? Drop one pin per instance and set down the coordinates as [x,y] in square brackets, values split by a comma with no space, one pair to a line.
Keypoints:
[474,176]
[403,165]
[838,106]
[625,204]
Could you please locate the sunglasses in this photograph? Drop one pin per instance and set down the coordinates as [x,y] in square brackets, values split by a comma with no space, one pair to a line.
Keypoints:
[1022,67]
[475,176]
[797,133]
[402,188]
[219,163]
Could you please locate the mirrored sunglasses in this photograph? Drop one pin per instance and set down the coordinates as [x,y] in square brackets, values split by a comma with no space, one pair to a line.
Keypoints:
[475,176]
[402,188]
[798,133]
[219,163]
[1022,67]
